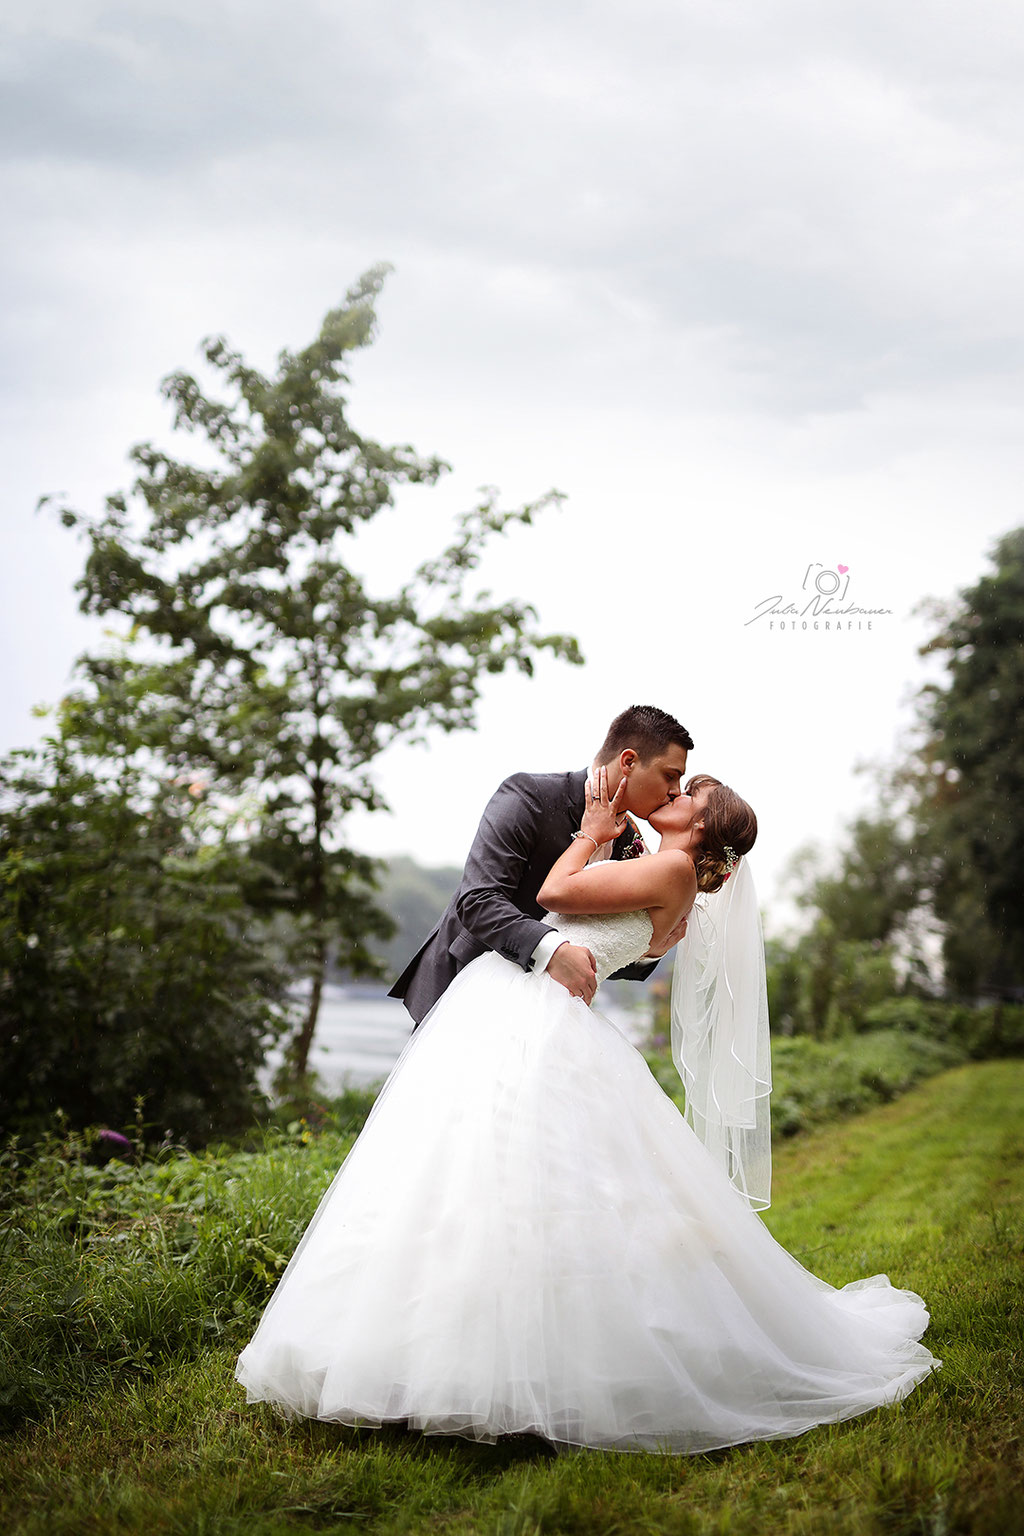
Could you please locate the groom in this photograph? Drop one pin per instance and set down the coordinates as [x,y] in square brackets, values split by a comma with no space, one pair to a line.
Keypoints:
[526,825]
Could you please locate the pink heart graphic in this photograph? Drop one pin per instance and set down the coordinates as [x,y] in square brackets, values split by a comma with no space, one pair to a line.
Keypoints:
[842,569]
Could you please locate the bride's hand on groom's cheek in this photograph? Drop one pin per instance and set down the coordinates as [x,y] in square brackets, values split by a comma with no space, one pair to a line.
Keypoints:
[605,815]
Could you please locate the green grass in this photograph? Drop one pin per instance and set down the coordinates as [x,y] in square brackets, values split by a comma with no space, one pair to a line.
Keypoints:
[928,1188]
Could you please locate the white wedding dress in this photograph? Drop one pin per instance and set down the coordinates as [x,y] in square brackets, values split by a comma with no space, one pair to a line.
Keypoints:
[528,1236]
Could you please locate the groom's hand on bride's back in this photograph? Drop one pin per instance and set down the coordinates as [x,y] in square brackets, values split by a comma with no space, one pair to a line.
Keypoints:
[669,942]
[573,967]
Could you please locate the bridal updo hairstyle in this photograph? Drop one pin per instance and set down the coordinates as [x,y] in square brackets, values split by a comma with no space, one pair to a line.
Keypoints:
[728,823]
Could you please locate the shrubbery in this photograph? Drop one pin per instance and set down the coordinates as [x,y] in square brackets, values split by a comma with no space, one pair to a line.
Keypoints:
[982,1033]
[815,1081]
[108,1272]
[129,963]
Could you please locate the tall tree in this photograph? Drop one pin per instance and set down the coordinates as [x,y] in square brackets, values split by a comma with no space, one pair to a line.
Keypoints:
[875,887]
[865,905]
[275,669]
[970,779]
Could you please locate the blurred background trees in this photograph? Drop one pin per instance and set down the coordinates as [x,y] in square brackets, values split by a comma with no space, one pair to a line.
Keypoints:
[967,790]
[150,934]
[923,906]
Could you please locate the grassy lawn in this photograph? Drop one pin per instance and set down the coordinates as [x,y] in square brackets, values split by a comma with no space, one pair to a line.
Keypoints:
[929,1189]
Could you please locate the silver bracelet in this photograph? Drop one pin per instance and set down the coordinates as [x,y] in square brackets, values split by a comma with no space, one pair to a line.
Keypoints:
[586,834]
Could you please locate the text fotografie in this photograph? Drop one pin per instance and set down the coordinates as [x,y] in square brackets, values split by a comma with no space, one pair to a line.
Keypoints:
[817,608]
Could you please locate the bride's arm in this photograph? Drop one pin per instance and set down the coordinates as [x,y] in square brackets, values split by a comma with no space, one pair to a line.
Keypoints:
[617,885]
[657,880]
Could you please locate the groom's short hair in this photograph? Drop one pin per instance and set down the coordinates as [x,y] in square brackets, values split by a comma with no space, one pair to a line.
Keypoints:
[648,730]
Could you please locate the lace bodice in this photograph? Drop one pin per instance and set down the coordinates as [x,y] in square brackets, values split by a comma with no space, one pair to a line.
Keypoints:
[615,939]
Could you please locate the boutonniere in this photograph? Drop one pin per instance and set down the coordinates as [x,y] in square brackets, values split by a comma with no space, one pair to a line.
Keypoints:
[636,845]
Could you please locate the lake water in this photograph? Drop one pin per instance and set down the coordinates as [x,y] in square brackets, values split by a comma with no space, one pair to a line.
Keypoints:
[360,1035]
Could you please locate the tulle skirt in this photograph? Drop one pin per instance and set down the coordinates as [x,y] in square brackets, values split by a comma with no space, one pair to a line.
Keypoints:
[528,1237]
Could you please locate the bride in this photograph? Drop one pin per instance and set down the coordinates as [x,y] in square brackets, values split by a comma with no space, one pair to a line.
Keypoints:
[528,1236]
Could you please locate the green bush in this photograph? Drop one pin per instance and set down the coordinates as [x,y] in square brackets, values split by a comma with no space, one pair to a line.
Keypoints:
[915,1014]
[129,963]
[819,1080]
[983,1033]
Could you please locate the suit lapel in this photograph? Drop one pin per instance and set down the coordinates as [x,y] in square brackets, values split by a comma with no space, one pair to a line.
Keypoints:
[576,799]
[576,805]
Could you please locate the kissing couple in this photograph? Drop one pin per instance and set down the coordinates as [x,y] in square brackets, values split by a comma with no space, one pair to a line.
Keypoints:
[529,1236]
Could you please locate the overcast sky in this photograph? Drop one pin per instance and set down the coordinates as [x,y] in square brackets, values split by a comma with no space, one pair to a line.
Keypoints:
[743,279]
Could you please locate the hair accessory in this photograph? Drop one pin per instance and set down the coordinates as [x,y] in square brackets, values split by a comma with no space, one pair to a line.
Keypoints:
[732,858]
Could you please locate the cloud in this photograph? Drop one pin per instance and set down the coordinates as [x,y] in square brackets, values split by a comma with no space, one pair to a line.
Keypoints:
[829,194]
[167,89]
[742,278]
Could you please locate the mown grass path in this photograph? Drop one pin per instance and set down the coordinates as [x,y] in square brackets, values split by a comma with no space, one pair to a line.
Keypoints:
[929,1189]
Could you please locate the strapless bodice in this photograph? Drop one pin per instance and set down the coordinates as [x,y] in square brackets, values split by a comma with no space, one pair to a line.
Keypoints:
[614,939]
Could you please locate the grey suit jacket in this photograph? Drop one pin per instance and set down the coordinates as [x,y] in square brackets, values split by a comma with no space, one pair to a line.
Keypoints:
[527,823]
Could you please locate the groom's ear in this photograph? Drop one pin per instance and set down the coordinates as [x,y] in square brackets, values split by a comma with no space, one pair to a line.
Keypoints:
[628,760]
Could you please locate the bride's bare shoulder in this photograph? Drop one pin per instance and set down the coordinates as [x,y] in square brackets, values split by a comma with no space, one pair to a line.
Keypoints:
[676,866]
[674,856]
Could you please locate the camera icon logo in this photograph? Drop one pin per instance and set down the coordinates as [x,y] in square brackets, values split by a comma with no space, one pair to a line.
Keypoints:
[825,581]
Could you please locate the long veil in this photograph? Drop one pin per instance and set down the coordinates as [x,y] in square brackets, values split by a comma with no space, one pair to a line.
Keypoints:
[720,1034]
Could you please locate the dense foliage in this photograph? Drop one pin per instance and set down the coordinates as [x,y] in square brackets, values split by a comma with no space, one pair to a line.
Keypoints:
[110,1272]
[818,1081]
[969,785]
[128,968]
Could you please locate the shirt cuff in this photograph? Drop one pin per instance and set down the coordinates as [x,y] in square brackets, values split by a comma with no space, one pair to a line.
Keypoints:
[545,949]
